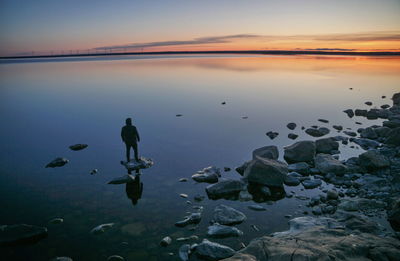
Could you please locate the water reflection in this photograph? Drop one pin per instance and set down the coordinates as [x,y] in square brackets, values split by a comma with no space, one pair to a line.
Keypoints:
[134,189]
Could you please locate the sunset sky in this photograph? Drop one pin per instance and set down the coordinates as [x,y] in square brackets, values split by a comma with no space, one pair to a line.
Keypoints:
[58,25]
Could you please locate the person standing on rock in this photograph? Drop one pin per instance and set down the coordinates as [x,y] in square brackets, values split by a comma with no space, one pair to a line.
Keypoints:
[130,136]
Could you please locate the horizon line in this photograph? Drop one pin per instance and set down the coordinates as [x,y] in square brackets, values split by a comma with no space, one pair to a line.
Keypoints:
[272,52]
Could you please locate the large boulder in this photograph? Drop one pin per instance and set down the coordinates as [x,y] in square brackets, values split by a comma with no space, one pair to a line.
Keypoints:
[225,189]
[372,160]
[208,175]
[317,132]
[267,172]
[213,251]
[267,152]
[225,215]
[328,164]
[318,240]
[21,234]
[300,151]
[396,99]
[326,145]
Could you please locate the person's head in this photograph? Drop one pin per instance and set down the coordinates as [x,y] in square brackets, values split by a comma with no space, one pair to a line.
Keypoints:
[128,121]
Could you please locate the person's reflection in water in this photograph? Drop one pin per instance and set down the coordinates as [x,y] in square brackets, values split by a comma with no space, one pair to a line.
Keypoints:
[130,136]
[134,189]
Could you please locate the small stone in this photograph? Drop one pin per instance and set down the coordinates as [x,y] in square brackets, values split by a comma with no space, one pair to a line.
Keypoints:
[257,207]
[291,126]
[58,162]
[183,180]
[115,258]
[292,136]
[272,135]
[183,195]
[77,147]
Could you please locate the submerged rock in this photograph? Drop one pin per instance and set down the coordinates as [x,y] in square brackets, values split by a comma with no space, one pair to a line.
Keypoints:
[101,228]
[78,147]
[225,188]
[213,251]
[266,172]
[58,162]
[143,163]
[267,152]
[302,151]
[208,175]
[21,234]
[193,218]
[221,231]
[227,215]
[122,180]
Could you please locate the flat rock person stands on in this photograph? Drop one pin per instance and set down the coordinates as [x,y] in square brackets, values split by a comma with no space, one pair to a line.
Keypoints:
[130,136]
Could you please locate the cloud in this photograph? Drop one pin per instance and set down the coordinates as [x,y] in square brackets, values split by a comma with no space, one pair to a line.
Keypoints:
[196,41]
[350,37]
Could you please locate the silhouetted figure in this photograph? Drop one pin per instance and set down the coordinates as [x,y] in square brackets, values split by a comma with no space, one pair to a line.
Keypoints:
[130,136]
[134,189]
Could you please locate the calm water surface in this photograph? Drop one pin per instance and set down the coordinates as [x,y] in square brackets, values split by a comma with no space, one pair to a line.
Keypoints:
[47,105]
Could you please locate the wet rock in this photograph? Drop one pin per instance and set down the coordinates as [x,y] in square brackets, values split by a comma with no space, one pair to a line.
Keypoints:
[323,120]
[382,131]
[393,137]
[359,112]
[178,115]
[368,103]
[291,126]
[302,151]
[368,133]
[337,127]
[350,133]
[266,172]
[58,162]
[393,215]
[21,234]
[385,106]
[299,167]
[193,237]
[349,113]
[292,136]
[122,180]
[372,160]
[291,180]
[327,164]
[225,215]
[332,194]
[193,218]
[199,198]
[267,152]
[272,135]
[392,123]
[311,183]
[244,195]
[257,207]
[365,143]
[100,229]
[61,258]
[184,252]
[317,132]
[225,188]
[78,147]
[183,180]
[213,251]
[358,204]
[182,195]
[56,221]
[242,168]
[226,169]
[115,258]
[142,163]
[396,99]
[326,145]
[166,241]
[207,175]
[94,171]
[265,191]
[221,231]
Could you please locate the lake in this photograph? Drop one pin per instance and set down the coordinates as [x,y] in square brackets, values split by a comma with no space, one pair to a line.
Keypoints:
[47,105]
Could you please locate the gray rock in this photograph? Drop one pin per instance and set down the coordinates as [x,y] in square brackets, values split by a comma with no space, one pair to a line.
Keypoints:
[317,132]
[115,258]
[299,167]
[359,112]
[323,120]
[350,133]
[291,126]
[393,137]
[326,145]
[372,160]
[382,131]
[193,218]
[337,127]
[58,162]
[184,252]
[166,241]
[208,175]
[327,164]
[242,168]
[227,215]
[368,103]
[244,195]
[267,152]
[55,221]
[222,231]
[292,136]
[357,204]
[266,172]
[365,143]
[291,180]
[311,183]
[332,194]
[257,207]
[302,151]
[78,147]
[265,191]
[393,215]
[21,234]
[213,251]
[396,99]
[62,258]
[225,188]
[368,133]
[142,163]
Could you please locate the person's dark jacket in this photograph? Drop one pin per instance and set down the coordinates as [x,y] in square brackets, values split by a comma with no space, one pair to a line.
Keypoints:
[129,134]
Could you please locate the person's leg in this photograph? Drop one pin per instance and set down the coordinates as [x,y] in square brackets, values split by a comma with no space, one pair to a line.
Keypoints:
[128,152]
[135,149]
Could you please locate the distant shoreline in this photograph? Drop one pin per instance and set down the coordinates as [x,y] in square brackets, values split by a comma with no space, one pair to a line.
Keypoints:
[275,52]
